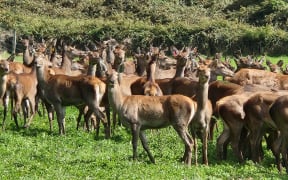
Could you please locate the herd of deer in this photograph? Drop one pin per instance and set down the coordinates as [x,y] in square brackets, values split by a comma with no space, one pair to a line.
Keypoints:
[154,91]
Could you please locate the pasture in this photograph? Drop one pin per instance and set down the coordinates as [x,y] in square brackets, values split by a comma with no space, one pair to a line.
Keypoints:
[34,153]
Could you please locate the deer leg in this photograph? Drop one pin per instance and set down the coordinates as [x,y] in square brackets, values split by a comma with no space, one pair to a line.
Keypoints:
[100,115]
[32,111]
[276,145]
[284,151]
[50,111]
[81,112]
[235,141]
[5,100]
[205,146]
[222,142]
[145,146]
[15,112]
[87,117]
[195,147]
[25,110]
[188,142]
[60,112]
[255,143]
[135,134]
[213,125]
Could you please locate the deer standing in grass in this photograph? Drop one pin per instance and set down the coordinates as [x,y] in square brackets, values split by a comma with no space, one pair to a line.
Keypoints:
[199,125]
[63,90]
[139,112]
[279,114]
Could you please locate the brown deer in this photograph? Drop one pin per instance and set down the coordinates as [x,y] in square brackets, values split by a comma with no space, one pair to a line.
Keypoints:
[28,53]
[260,77]
[63,90]
[137,87]
[151,88]
[278,112]
[258,120]
[277,68]
[201,121]
[139,112]
[24,91]
[230,109]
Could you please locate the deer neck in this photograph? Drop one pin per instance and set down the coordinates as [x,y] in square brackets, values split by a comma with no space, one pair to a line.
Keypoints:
[42,75]
[202,96]
[213,76]
[179,71]
[27,57]
[151,72]
[115,96]
[66,64]
[91,69]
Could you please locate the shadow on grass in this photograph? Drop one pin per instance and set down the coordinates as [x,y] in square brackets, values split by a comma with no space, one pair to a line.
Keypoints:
[32,131]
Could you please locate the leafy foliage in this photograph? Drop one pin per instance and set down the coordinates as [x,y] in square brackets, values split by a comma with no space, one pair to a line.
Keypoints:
[215,25]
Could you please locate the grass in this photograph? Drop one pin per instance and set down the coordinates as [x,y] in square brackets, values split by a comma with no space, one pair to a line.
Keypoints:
[35,153]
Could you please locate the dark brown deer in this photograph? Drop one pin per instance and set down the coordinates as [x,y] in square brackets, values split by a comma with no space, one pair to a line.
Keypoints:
[278,112]
[258,120]
[139,112]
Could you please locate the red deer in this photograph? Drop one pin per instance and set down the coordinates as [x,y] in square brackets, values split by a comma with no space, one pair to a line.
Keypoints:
[151,88]
[230,109]
[258,120]
[261,77]
[200,123]
[28,53]
[277,68]
[139,112]
[278,112]
[25,90]
[63,90]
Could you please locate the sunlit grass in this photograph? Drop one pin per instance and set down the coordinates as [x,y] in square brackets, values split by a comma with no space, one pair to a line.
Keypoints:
[35,153]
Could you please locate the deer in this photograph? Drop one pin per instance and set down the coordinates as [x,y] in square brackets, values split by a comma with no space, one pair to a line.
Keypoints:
[278,112]
[151,88]
[25,90]
[277,68]
[230,109]
[28,53]
[260,77]
[140,112]
[201,121]
[63,90]
[137,87]
[248,62]
[258,120]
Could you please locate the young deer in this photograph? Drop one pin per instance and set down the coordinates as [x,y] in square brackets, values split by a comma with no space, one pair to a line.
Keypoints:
[140,112]
[201,120]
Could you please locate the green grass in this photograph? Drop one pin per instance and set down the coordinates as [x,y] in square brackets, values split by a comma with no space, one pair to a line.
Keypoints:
[35,153]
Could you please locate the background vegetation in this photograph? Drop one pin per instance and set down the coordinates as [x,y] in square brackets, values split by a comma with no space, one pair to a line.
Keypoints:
[257,27]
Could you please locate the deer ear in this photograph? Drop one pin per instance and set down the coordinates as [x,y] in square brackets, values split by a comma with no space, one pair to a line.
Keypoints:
[280,63]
